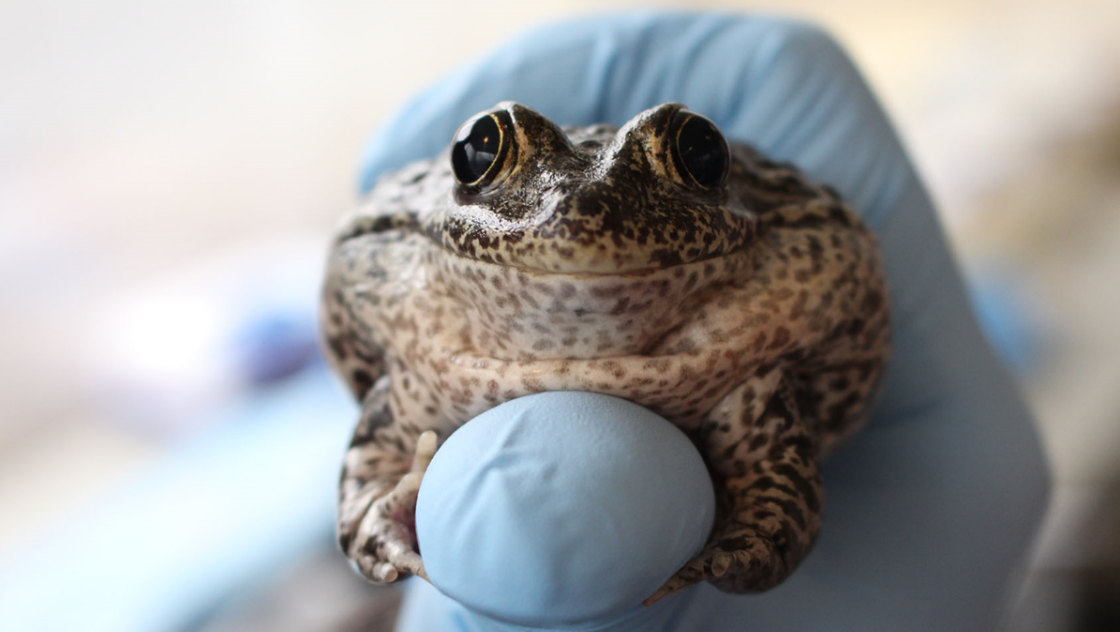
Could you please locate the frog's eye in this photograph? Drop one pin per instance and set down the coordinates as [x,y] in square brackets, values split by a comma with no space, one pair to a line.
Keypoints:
[700,151]
[480,148]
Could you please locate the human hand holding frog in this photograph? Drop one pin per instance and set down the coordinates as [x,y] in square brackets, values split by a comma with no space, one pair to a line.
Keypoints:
[931,507]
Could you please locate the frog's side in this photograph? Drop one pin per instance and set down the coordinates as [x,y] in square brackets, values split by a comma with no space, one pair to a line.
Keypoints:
[751,312]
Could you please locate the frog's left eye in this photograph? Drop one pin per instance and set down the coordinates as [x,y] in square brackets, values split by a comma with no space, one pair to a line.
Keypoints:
[480,148]
[700,151]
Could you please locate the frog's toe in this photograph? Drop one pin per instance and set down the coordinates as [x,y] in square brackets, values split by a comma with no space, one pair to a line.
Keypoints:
[383,549]
[404,494]
[745,563]
[691,573]
[385,572]
[405,559]
[384,552]
[426,446]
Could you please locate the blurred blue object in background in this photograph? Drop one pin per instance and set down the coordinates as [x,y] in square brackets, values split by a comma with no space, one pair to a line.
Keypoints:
[249,494]
[171,353]
[275,345]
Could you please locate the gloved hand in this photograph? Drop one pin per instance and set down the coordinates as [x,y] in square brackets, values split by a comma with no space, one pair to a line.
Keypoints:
[931,507]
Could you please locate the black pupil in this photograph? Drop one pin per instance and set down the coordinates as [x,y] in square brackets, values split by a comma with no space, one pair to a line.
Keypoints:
[475,150]
[703,151]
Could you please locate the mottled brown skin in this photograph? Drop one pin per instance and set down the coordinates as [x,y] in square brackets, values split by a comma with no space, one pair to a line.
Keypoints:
[753,315]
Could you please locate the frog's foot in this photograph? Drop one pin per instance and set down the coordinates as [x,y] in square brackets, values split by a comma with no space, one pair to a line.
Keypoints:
[774,519]
[384,547]
[739,562]
[773,506]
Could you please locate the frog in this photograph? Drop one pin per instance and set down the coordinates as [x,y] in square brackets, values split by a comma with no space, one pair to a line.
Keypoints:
[658,262]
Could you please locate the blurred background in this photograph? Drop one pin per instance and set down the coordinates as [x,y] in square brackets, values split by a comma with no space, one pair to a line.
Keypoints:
[170,173]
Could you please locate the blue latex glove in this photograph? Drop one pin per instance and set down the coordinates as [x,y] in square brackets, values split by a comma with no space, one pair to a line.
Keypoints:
[932,506]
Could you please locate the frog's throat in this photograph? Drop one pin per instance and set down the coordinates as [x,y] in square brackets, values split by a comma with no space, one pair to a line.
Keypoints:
[518,313]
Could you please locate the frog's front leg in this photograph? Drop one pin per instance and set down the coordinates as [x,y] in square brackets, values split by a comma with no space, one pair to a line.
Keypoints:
[377,497]
[769,491]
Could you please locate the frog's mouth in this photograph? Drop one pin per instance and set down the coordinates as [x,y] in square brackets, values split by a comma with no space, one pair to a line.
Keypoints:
[360,226]
[568,249]
[572,250]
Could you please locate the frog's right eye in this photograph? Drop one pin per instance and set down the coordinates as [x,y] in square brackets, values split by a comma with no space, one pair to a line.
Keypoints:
[480,149]
[700,151]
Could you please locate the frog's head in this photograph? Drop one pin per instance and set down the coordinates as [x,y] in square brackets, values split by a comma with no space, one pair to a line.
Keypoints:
[591,200]
[581,242]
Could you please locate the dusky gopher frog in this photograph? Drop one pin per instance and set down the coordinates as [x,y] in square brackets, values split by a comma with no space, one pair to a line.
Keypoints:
[658,263]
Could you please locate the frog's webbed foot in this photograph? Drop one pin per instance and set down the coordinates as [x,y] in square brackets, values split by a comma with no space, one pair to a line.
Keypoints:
[383,547]
[772,509]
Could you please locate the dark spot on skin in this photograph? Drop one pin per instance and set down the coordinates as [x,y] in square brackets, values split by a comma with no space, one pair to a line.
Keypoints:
[362,380]
[337,347]
[788,508]
[781,337]
[872,302]
[370,546]
[666,257]
[757,443]
[805,490]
